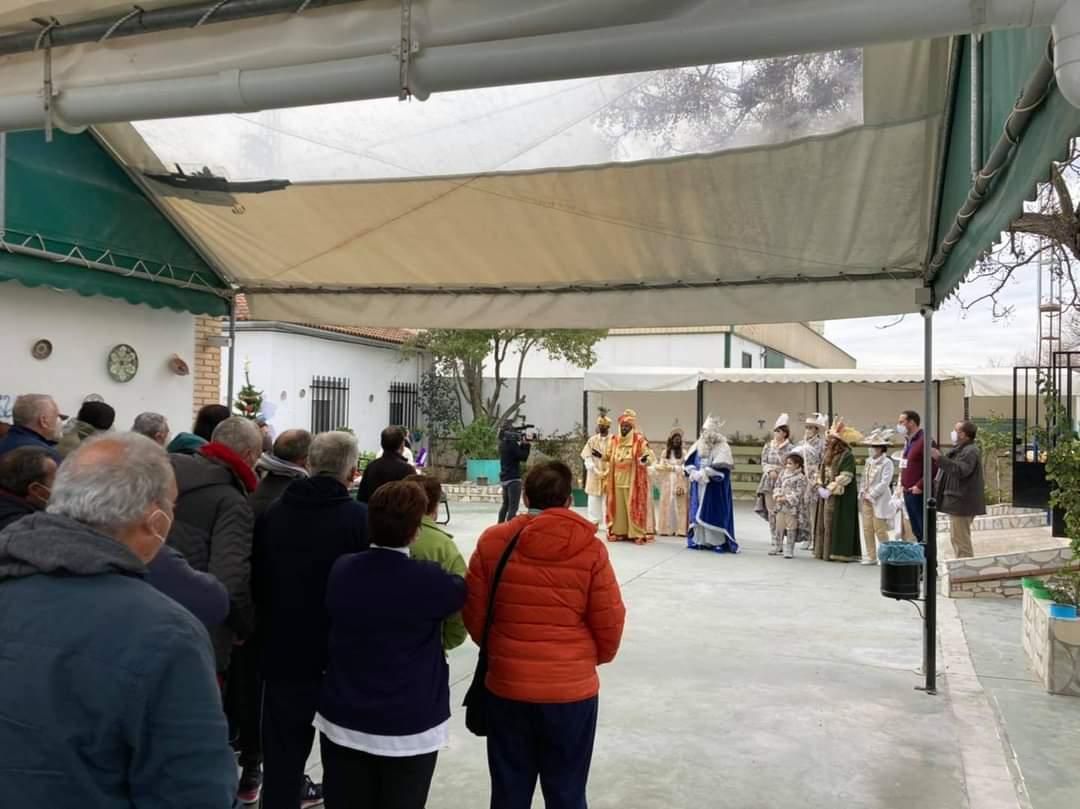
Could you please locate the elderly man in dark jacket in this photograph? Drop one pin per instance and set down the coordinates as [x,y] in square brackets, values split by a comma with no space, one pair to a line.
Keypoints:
[961,489]
[109,698]
[297,541]
[389,468]
[26,479]
[276,470]
[36,422]
[213,530]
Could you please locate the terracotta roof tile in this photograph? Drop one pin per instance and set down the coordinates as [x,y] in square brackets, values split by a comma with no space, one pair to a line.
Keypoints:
[395,336]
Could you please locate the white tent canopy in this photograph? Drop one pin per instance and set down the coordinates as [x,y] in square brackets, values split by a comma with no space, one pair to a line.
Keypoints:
[977,383]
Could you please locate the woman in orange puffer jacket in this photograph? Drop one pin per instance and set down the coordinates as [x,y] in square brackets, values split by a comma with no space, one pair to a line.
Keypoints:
[558,615]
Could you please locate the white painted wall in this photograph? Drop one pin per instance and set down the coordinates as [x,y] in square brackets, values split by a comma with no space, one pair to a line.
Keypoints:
[282,366]
[83,331]
[652,350]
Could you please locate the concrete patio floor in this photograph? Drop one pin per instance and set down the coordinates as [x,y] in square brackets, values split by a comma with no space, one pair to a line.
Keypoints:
[751,681]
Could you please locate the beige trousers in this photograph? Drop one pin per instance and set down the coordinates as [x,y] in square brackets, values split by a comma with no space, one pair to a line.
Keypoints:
[960,536]
[874,530]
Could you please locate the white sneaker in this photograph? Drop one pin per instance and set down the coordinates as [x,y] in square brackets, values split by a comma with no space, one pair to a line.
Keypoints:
[868,562]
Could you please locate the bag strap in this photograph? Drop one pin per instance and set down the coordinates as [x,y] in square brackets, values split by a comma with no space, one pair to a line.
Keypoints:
[489,619]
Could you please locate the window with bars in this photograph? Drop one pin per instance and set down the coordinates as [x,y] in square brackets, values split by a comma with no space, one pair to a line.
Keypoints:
[403,405]
[329,403]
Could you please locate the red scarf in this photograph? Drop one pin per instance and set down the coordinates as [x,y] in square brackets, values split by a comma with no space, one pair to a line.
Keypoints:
[220,452]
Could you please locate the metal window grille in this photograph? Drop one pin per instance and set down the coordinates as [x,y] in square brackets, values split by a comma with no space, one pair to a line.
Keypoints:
[329,403]
[403,404]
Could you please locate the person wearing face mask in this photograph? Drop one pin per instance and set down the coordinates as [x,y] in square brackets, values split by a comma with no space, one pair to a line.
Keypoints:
[909,427]
[961,490]
[26,479]
[126,673]
[875,494]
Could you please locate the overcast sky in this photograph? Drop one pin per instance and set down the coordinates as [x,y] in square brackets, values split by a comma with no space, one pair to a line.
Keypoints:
[972,339]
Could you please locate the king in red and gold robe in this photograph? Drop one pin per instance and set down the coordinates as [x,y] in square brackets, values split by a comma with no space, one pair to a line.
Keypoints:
[629,494]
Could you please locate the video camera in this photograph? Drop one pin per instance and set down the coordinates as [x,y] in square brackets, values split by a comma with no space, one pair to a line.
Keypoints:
[518,433]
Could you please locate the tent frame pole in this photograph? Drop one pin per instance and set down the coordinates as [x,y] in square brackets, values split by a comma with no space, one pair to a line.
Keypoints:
[232,352]
[700,403]
[929,510]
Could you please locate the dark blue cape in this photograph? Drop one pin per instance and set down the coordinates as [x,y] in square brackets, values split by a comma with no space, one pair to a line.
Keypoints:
[716,511]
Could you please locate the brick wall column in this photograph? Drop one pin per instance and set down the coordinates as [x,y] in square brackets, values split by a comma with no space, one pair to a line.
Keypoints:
[207,366]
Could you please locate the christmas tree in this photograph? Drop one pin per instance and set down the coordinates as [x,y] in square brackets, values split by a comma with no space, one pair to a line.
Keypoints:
[249,400]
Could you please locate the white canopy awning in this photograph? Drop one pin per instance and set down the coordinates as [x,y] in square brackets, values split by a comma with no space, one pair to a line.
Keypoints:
[643,379]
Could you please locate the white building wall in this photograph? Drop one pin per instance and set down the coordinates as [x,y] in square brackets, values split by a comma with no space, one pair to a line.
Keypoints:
[283,365]
[82,332]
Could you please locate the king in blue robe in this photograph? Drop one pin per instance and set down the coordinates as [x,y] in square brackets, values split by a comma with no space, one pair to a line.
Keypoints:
[712,515]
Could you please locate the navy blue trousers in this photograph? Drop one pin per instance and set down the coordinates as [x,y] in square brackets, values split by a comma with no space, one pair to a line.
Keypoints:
[550,742]
[913,503]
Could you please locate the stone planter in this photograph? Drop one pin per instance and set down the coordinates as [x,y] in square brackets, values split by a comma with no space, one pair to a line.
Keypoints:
[1053,647]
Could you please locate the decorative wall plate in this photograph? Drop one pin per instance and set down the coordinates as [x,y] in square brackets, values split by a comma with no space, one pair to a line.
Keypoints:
[178,366]
[123,363]
[42,350]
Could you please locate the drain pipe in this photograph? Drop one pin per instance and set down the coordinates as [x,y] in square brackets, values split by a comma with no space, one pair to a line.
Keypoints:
[1066,30]
[702,38]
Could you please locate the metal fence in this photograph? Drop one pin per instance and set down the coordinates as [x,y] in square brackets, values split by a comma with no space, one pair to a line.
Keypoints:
[403,404]
[329,403]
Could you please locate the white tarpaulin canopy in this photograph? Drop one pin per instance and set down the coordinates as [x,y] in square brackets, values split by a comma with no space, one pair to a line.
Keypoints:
[838,223]
[977,383]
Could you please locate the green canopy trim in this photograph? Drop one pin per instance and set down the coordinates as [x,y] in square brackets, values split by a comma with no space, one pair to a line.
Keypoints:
[1010,59]
[70,199]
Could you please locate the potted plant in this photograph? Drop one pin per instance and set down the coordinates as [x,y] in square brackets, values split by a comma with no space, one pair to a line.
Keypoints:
[1064,589]
[478,442]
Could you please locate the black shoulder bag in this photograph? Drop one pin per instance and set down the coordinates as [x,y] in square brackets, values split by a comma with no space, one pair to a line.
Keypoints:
[477,697]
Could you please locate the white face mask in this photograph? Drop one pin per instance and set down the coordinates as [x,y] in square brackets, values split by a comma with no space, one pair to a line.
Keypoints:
[901,429]
[954,436]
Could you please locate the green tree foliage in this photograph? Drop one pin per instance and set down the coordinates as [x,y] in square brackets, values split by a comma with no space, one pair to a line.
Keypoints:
[461,356]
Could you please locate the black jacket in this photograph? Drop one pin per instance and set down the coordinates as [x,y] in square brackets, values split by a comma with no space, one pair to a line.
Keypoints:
[297,541]
[389,468]
[12,508]
[512,454]
[387,672]
[199,593]
[213,530]
[270,489]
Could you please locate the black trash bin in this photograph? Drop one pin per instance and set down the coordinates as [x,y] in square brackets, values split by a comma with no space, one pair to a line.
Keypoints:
[902,566]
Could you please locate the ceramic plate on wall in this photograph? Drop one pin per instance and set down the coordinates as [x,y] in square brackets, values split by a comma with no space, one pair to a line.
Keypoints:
[123,363]
[42,350]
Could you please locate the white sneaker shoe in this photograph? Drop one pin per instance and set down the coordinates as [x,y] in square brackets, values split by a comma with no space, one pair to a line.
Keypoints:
[868,562]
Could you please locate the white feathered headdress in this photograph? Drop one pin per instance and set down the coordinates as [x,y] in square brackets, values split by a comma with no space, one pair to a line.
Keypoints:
[782,421]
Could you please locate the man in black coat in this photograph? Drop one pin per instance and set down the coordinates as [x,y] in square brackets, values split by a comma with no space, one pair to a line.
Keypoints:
[26,478]
[297,541]
[276,470]
[391,467]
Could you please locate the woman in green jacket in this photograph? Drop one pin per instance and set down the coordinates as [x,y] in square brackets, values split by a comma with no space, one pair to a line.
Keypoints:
[433,544]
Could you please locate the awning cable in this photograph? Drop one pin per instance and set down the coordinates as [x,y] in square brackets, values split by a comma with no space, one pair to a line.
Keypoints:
[303,7]
[405,50]
[210,12]
[136,11]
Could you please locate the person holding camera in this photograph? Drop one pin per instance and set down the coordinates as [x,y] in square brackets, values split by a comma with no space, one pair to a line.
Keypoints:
[514,449]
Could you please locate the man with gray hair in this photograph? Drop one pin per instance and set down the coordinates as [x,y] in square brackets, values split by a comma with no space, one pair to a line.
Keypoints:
[213,530]
[297,541]
[36,422]
[106,680]
[153,425]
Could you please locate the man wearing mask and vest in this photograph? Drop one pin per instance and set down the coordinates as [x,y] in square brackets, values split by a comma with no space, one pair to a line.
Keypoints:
[909,427]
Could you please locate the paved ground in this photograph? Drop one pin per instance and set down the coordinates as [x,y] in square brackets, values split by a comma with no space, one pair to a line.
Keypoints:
[753,682]
[1041,731]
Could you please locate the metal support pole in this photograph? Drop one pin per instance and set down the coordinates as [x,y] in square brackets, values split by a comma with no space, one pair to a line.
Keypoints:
[3,181]
[700,403]
[829,401]
[929,510]
[817,397]
[232,352]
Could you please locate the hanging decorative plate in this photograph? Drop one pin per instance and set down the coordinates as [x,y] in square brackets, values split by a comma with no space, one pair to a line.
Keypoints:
[123,363]
[42,350]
